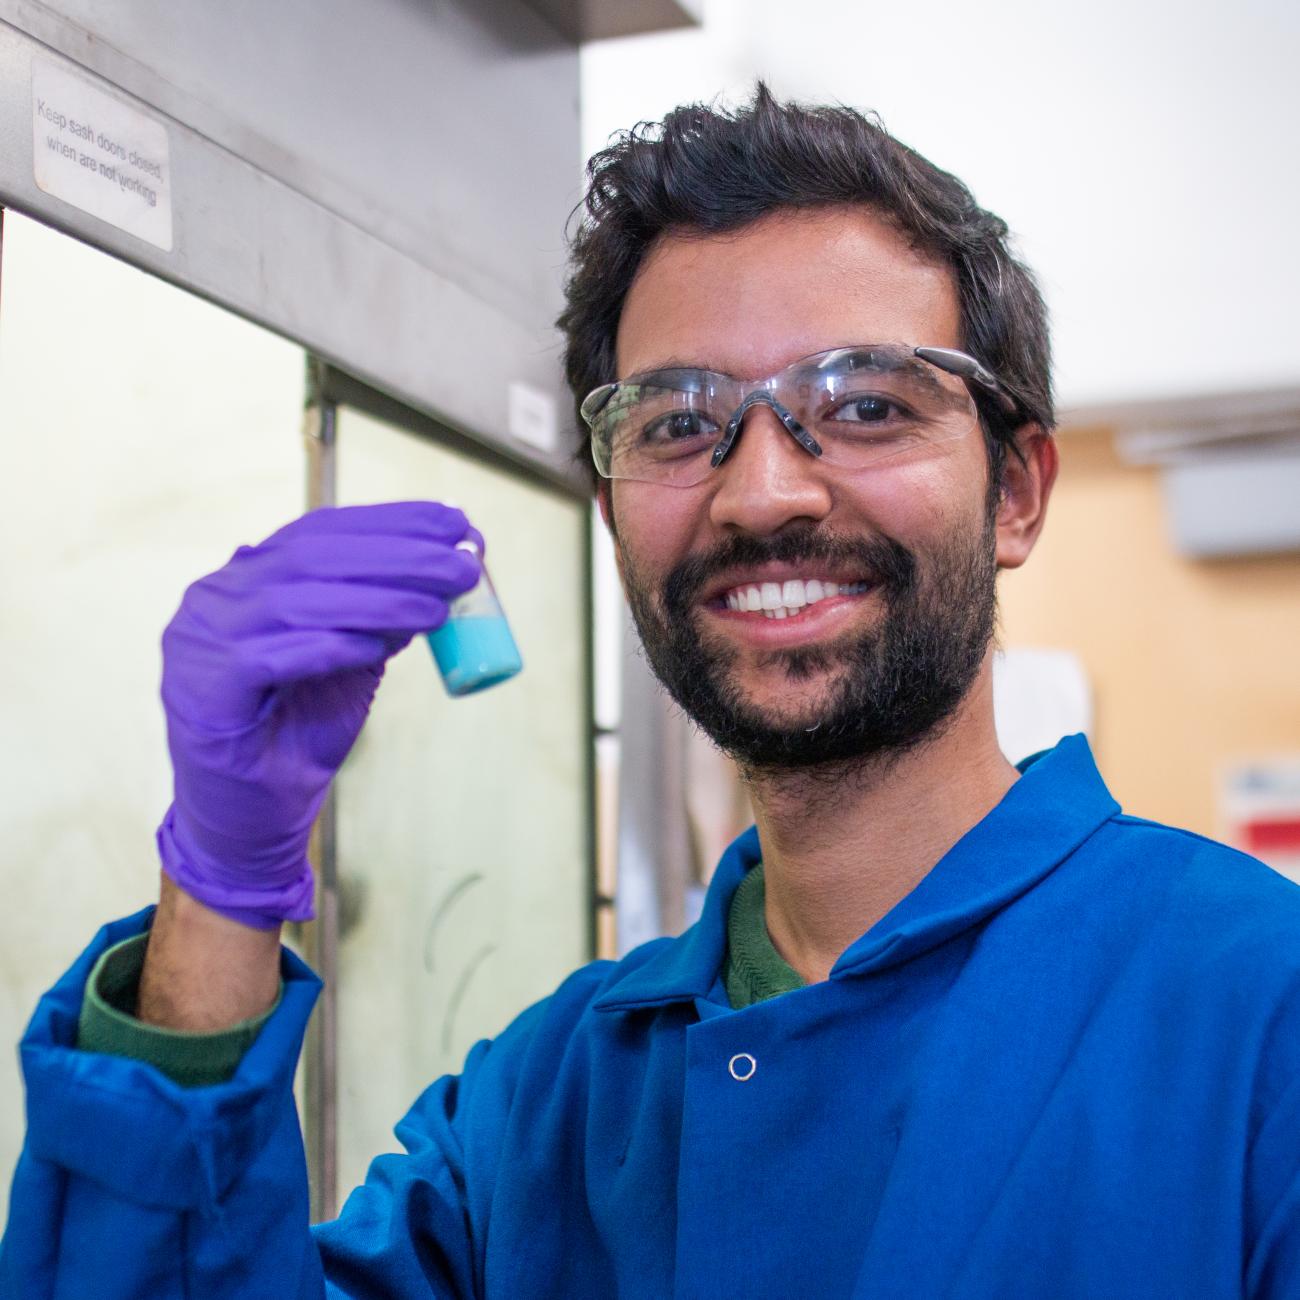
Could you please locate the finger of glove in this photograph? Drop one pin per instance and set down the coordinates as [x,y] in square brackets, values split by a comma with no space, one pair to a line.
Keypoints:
[234,599]
[394,561]
[430,520]
[280,658]
[223,689]
[341,607]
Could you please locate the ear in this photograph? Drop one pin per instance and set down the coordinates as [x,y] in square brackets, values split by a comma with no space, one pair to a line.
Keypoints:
[605,504]
[1026,486]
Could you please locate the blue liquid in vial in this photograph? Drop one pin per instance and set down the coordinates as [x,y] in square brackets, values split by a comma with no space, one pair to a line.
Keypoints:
[474,652]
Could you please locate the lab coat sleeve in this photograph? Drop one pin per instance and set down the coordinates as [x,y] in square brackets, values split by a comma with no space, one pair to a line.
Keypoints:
[408,1232]
[131,1187]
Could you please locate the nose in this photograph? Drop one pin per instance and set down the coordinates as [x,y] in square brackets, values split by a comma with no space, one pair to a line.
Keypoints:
[767,480]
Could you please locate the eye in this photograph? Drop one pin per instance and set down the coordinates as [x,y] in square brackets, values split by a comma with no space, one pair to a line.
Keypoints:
[679,426]
[870,408]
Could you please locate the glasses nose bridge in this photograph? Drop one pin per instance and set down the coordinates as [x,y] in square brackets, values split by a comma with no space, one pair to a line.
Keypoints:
[771,479]
[762,395]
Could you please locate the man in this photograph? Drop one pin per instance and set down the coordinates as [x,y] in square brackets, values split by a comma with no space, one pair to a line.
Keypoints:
[945,1028]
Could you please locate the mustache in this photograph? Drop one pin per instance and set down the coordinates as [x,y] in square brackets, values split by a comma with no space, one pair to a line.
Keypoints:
[887,562]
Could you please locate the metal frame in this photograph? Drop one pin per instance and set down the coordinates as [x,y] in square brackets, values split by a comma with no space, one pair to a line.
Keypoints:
[597,20]
[327,389]
[567,474]
[320,938]
[255,244]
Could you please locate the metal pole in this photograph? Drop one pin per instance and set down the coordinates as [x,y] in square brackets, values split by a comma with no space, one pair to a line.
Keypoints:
[320,937]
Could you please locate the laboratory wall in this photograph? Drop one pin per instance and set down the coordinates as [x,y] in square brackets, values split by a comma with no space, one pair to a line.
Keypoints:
[1192,663]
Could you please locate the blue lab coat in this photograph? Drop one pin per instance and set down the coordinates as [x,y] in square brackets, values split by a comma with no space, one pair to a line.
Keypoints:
[1066,1065]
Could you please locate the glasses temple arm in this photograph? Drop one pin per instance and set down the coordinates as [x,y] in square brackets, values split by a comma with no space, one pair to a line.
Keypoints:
[967,368]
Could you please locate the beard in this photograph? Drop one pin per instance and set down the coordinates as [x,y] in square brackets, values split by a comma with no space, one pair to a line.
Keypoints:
[888,689]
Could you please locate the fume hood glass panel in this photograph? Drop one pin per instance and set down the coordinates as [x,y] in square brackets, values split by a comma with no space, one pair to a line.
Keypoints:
[463,824]
[145,434]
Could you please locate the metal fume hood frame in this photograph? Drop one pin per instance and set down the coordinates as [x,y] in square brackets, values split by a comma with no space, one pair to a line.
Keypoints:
[423,312]
[411,235]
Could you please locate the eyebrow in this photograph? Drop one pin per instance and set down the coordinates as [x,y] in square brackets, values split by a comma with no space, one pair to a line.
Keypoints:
[656,373]
[675,363]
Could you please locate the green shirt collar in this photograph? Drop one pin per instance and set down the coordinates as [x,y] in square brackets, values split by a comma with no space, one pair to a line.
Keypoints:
[753,970]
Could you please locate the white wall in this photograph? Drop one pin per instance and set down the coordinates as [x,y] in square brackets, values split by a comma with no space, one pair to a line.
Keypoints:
[1142,150]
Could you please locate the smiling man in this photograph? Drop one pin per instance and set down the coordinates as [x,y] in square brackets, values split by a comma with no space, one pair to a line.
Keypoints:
[947,1027]
[811,557]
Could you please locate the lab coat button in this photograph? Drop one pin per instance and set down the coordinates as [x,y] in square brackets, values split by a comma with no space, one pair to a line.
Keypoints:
[742,1066]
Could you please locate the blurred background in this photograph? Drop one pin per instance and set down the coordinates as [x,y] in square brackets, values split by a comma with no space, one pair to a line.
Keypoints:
[351,300]
[1140,154]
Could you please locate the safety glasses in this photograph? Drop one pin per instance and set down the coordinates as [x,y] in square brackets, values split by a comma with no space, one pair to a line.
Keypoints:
[849,406]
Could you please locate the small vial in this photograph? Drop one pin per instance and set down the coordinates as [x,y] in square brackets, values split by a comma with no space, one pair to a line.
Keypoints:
[474,648]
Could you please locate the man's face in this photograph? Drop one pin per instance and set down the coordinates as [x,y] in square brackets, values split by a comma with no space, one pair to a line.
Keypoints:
[909,543]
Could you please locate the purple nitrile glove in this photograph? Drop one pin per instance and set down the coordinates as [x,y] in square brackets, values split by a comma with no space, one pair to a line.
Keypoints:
[269,669]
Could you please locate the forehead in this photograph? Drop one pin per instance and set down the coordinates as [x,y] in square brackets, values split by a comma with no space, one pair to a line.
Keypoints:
[750,301]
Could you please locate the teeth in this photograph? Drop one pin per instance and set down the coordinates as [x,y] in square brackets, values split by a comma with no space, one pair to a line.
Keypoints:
[784,599]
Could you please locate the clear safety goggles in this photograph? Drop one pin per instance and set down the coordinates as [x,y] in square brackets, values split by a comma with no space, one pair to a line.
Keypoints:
[849,406]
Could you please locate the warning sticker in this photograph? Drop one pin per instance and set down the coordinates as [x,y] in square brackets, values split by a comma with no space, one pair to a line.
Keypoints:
[101,155]
[1259,808]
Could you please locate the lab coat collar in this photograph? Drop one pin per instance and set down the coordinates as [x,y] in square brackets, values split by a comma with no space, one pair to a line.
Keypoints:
[1059,801]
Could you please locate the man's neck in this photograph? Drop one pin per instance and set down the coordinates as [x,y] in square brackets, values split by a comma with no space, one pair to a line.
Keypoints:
[841,848]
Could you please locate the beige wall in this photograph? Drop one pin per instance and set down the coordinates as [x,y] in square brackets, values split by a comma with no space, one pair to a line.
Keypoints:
[1193,663]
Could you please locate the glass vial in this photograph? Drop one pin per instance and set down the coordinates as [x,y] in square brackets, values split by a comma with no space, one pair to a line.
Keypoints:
[474,648]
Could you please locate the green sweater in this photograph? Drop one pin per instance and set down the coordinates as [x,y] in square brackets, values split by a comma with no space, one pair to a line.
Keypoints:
[108,1024]
[753,972]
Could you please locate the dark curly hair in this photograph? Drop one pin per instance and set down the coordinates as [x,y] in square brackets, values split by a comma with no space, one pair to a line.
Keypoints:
[708,170]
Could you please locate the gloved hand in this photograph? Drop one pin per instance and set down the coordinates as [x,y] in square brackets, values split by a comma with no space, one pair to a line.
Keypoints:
[269,669]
